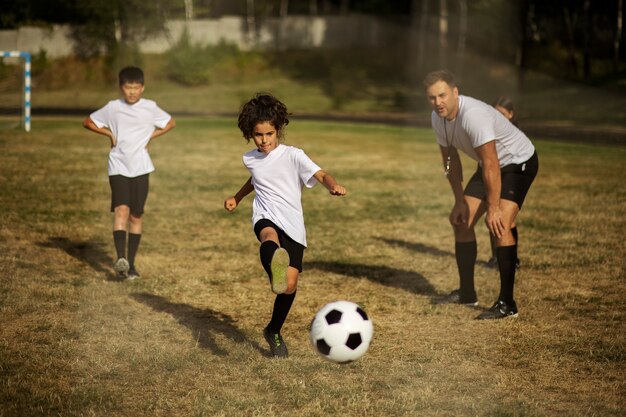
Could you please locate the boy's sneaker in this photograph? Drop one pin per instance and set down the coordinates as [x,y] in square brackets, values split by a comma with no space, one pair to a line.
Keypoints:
[455,298]
[500,310]
[121,266]
[279,266]
[278,348]
[133,274]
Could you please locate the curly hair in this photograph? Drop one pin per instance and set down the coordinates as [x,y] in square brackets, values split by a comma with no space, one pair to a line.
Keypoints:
[262,108]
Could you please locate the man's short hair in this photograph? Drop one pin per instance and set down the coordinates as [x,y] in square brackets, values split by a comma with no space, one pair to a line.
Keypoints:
[131,75]
[440,75]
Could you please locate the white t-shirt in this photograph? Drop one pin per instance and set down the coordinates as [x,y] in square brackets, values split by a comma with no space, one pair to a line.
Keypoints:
[278,178]
[478,123]
[132,125]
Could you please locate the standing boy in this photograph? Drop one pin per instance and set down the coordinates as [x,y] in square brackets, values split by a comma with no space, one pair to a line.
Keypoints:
[130,123]
[277,175]
[507,167]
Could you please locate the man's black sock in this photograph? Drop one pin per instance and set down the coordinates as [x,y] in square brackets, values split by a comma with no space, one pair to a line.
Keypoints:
[507,256]
[465,253]
[119,238]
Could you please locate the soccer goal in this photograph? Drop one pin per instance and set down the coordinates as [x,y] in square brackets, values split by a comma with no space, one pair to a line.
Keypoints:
[25,56]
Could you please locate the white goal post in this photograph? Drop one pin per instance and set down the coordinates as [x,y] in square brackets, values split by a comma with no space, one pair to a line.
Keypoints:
[26,102]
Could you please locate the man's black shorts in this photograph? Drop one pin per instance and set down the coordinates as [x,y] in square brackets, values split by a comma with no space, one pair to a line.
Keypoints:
[516,180]
[293,248]
[131,192]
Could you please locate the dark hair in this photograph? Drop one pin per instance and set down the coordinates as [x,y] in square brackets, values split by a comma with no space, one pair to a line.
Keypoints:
[131,75]
[440,75]
[507,103]
[263,107]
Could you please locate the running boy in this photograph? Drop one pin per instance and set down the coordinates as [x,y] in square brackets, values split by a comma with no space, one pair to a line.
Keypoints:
[278,173]
[130,123]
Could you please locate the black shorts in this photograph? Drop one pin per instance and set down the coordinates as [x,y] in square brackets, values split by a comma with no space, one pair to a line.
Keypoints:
[516,180]
[131,192]
[293,248]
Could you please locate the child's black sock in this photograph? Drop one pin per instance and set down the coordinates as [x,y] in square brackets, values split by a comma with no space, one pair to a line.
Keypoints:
[282,305]
[119,238]
[133,246]
[507,255]
[465,253]
[266,251]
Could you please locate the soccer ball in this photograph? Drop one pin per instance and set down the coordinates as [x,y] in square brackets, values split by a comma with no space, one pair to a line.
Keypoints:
[341,332]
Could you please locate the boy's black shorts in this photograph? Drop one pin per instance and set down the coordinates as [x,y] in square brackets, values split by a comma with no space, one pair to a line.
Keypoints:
[293,248]
[516,180]
[131,192]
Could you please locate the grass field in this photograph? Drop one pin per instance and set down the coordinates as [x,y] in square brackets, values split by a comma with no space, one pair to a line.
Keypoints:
[185,339]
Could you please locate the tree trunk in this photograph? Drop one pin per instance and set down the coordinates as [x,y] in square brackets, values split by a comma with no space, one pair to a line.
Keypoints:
[587,39]
[570,24]
[313,7]
[423,34]
[284,6]
[618,34]
[460,50]
[443,33]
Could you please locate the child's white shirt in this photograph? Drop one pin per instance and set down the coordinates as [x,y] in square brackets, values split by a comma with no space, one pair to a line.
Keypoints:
[478,123]
[278,178]
[132,125]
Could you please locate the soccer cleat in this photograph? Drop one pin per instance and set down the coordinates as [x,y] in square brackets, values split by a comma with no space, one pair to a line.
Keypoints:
[279,266]
[121,266]
[278,348]
[132,274]
[500,310]
[455,298]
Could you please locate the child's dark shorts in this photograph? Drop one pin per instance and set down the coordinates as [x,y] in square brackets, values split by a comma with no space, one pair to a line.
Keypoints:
[293,248]
[516,180]
[131,192]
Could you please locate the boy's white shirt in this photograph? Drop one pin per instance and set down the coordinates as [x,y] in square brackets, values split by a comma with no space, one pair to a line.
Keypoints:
[278,178]
[132,125]
[478,123]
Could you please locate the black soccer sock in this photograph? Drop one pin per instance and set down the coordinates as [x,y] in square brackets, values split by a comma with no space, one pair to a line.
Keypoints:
[507,255]
[266,252]
[465,253]
[282,305]
[133,246]
[119,238]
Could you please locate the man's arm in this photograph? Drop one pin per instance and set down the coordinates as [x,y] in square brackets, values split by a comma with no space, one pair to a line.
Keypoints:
[493,185]
[460,211]
[90,125]
[159,132]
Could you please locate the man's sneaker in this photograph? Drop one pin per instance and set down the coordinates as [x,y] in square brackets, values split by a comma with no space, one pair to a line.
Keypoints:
[455,298]
[278,348]
[279,266]
[133,274]
[121,266]
[500,310]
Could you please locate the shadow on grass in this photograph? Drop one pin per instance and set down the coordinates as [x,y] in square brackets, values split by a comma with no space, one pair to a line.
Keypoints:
[203,323]
[391,277]
[421,248]
[92,253]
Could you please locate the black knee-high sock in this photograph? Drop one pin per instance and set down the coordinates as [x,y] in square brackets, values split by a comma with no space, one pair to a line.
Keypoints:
[507,255]
[133,245]
[119,238]
[465,253]
[266,251]
[282,305]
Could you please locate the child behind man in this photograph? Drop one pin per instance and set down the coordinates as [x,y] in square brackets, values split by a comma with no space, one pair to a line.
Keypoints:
[130,123]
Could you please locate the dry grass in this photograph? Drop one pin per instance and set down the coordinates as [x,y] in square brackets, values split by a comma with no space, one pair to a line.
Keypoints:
[185,339]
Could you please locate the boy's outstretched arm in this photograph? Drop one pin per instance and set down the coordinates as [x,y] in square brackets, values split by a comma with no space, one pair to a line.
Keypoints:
[231,202]
[329,182]
[90,125]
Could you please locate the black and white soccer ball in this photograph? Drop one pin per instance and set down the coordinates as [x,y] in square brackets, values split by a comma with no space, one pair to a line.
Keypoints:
[341,332]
